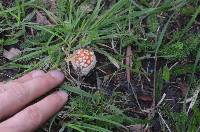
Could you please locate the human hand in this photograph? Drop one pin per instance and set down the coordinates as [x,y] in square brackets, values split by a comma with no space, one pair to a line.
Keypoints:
[17,94]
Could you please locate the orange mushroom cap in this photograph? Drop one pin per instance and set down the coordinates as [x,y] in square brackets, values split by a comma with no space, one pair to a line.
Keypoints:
[83,60]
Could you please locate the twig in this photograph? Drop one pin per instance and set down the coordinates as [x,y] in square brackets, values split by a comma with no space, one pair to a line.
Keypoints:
[135,95]
[164,122]
[159,103]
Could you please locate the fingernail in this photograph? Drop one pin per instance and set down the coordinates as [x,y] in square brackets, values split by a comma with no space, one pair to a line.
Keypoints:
[57,75]
[37,73]
[63,94]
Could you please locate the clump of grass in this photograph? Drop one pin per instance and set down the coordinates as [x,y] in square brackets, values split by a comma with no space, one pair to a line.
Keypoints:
[183,122]
[95,111]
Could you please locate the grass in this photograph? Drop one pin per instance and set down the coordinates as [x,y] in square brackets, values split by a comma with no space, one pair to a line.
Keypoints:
[165,42]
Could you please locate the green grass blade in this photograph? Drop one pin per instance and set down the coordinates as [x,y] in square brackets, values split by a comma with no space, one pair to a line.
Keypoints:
[89,127]
[76,91]
[100,118]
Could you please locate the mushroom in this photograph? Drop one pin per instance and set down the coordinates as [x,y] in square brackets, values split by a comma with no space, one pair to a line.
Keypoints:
[83,61]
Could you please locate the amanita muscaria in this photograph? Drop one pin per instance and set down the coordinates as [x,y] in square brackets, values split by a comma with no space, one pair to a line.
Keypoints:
[83,61]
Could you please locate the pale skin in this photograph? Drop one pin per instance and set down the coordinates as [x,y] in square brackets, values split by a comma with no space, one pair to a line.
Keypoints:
[17,113]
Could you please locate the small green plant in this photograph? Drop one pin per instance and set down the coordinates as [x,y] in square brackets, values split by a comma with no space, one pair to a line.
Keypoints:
[174,51]
[181,50]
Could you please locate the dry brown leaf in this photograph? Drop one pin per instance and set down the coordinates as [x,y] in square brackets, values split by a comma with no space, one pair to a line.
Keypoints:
[86,8]
[42,19]
[51,4]
[183,88]
[11,54]
[137,128]
[129,62]
[146,98]
[45,1]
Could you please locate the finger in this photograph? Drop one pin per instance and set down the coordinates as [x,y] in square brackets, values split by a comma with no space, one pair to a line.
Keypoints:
[20,94]
[30,75]
[2,89]
[27,77]
[33,116]
[1,83]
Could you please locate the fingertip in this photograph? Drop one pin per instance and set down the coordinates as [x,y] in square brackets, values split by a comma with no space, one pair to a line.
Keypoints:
[57,75]
[63,95]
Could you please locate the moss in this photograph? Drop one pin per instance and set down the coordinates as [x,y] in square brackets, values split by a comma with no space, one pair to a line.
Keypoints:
[181,49]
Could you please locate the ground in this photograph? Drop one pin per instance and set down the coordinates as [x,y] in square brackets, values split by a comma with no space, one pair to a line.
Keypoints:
[147,73]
